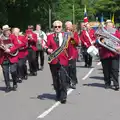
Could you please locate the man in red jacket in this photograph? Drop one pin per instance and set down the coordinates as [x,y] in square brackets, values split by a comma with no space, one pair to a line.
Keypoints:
[7,60]
[87,38]
[22,55]
[72,53]
[110,61]
[58,66]
[32,40]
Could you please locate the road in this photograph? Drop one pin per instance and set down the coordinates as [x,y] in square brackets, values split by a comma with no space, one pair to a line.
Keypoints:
[35,98]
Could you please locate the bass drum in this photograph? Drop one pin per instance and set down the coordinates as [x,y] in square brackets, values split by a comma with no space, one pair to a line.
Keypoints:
[93,51]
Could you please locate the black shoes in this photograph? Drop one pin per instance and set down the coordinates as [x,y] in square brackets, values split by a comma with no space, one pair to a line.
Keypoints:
[107,86]
[60,98]
[63,101]
[8,89]
[19,80]
[25,77]
[73,86]
[41,68]
[87,65]
[116,88]
[33,74]
[14,87]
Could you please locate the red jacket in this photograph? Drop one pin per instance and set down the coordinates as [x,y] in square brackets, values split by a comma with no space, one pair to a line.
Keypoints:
[106,53]
[5,56]
[63,58]
[31,42]
[84,38]
[72,50]
[23,48]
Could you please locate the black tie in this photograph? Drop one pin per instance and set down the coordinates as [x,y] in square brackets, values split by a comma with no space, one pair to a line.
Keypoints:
[57,38]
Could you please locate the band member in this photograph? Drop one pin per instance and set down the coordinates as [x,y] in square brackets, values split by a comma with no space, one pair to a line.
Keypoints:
[72,53]
[58,66]
[22,55]
[87,38]
[110,61]
[32,40]
[8,59]
[40,36]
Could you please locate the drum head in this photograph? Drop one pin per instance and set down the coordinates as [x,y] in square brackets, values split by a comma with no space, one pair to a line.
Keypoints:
[93,51]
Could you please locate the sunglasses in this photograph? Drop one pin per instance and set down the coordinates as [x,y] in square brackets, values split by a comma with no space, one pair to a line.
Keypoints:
[57,26]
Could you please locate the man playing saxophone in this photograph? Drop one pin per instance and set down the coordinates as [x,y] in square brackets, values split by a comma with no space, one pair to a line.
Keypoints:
[6,59]
[110,60]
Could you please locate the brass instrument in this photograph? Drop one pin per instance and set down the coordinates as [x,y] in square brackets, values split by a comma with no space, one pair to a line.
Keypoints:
[6,44]
[29,36]
[108,40]
[62,48]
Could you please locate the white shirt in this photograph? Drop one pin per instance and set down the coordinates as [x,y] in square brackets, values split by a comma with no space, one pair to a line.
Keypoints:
[39,33]
[60,36]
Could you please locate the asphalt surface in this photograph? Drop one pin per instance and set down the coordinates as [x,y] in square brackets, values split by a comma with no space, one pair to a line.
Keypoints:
[35,98]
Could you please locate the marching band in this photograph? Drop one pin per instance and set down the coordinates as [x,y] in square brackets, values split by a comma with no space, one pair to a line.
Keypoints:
[61,47]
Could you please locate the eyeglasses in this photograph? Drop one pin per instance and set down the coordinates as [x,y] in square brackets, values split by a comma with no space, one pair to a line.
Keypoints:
[57,26]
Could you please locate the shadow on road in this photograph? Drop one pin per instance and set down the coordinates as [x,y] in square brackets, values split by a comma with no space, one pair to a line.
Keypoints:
[47,96]
[95,85]
[2,88]
[97,77]
[100,69]
[83,67]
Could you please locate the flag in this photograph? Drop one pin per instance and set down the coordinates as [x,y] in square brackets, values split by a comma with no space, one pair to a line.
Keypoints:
[113,17]
[102,20]
[85,16]
[85,12]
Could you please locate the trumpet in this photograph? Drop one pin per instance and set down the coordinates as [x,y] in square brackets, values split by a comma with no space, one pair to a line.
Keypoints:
[29,36]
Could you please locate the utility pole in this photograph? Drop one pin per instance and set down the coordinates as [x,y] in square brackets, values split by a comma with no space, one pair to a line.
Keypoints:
[73,13]
[50,18]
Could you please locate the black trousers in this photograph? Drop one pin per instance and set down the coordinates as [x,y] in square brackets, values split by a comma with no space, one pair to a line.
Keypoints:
[72,71]
[87,57]
[10,68]
[32,60]
[22,67]
[41,54]
[111,70]
[59,80]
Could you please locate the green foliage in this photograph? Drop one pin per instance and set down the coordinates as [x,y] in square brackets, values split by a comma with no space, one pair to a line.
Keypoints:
[23,12]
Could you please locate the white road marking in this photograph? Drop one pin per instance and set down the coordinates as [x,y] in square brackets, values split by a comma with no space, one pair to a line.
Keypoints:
[45,113]
[86,76]
[51,108]
[48,111]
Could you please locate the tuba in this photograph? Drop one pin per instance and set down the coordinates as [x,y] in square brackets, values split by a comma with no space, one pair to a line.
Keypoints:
[6,44]
[107,40]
